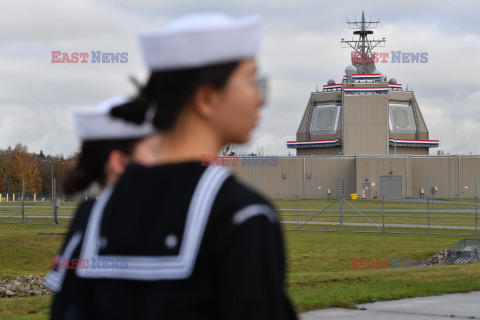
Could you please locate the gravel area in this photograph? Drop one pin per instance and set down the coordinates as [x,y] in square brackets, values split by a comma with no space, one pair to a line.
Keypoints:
[24,287]
[437,257]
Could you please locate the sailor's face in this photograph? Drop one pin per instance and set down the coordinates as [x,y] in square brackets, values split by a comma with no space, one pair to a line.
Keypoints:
[240,101]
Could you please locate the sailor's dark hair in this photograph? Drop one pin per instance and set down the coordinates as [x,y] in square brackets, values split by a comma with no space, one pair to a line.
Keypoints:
[91,163]
[167,92]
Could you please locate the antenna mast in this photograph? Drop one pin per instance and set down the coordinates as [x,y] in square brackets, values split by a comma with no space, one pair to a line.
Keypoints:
[363,47]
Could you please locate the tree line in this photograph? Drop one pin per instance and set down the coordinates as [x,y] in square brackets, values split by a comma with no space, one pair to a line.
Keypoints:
[37,169]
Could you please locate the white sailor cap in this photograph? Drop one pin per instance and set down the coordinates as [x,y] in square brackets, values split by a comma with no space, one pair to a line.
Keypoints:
[98,124]
[201,39]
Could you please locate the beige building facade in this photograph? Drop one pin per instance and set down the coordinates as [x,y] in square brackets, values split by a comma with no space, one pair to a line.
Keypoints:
[400,176]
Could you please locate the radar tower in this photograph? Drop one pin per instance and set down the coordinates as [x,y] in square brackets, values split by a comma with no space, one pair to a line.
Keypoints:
[363,57]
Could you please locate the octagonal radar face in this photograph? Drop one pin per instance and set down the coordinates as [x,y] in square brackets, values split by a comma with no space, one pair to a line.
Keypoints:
[401,118]
[325,119]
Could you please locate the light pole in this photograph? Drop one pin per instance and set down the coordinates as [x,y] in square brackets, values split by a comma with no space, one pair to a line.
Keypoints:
[55,205]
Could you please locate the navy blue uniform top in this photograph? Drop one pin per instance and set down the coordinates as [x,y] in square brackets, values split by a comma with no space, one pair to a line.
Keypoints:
[180,241]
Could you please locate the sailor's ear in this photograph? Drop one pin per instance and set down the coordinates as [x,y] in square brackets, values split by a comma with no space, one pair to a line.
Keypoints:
[205,100]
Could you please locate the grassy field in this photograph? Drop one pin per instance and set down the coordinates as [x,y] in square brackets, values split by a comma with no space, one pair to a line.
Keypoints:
[27,250]
[320,273]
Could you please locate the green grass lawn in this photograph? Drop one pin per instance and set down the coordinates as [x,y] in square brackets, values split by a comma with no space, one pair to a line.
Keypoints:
[25,307]
[320,271]
[319,267]
[26,249]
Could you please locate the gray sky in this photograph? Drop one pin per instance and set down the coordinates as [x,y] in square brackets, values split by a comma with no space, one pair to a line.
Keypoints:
[301,50]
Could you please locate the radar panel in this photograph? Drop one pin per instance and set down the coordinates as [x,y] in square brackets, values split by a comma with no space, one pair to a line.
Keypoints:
[401,118]
[325,119]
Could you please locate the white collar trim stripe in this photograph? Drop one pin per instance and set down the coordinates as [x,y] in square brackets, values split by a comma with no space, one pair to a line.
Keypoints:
[56,277]
[151,268]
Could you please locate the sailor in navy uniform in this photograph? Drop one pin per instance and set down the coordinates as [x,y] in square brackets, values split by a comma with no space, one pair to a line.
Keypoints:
[212,251]
[107,144]
[180,240]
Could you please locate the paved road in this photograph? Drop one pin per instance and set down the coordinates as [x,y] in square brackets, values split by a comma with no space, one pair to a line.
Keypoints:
[389,210]
[29,216]
[423,201]
[457,306]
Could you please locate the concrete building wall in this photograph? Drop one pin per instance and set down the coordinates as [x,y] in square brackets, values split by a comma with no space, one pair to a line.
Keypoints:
[454,176]
[409,150]
[370,169]
[324,173]
[273,177]
[283,178]
[333,151]
[365,126]
[440,172]
[469,176]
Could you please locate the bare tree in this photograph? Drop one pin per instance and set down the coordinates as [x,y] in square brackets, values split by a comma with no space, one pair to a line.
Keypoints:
[228,150]
[231,150]
[262,151]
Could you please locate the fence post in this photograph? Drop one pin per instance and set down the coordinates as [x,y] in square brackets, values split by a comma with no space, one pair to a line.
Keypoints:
[297,187]
[23,200]
[383,214]
[298,218]
[340,200]
[428,215]
[54,201]
[476,216]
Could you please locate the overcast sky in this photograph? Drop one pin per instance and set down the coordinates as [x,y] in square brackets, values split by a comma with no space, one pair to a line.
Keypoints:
[300,50]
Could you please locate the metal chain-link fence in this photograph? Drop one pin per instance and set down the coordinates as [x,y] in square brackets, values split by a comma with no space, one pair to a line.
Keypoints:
[35,209]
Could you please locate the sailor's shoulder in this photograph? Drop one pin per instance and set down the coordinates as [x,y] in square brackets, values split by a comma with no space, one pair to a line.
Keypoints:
[238,203]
